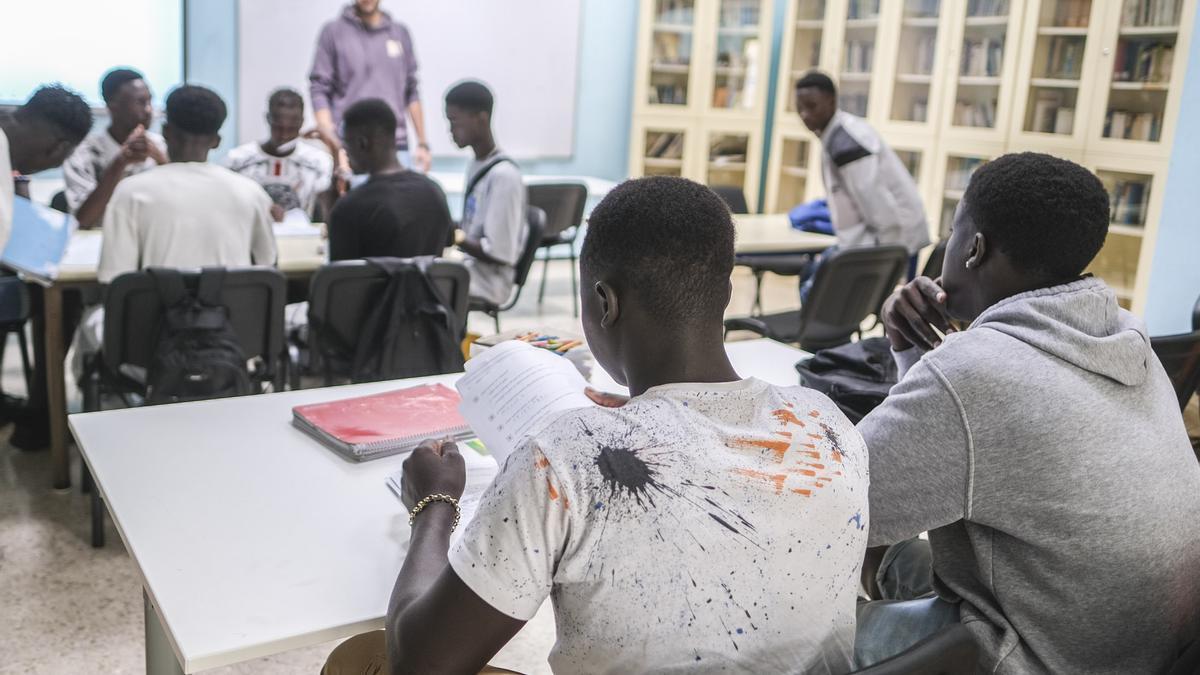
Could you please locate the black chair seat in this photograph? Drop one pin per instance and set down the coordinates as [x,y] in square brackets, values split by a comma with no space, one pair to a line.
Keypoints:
[948,652]
[481,305]
[787,264]
[781,326]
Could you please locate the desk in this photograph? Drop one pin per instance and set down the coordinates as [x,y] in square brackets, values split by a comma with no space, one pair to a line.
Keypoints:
[774,233]
[299,257]
[251,538]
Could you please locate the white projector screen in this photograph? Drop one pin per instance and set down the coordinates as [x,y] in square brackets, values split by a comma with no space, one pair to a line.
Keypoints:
[527,51]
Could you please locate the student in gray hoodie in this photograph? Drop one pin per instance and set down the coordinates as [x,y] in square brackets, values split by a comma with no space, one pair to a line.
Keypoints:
[1041,447]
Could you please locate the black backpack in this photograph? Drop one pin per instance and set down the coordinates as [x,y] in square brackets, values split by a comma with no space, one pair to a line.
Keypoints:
[413,331]
[856,376]
[197,354]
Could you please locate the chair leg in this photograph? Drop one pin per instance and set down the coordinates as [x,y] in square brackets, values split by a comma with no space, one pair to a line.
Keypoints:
[25,364]
[545,271]
[496,317]
[758,282]
[574,283]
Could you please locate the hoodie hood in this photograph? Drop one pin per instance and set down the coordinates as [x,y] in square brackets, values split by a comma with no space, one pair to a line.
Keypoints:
[1080,323]
[349,14]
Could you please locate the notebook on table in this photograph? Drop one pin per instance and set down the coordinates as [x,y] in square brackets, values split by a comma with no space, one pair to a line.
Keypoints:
[381,425]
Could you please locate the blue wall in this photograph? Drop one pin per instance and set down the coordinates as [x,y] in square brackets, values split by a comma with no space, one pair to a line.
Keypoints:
[211,55]
[1175,278]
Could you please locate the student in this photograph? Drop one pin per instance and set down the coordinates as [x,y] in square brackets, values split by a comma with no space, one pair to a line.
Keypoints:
[873,199]
[365,53]
[125,148]
[397,212]
[293,172]
[187,213]
[493,229]
[755,493]
[1041,448]
[38,136]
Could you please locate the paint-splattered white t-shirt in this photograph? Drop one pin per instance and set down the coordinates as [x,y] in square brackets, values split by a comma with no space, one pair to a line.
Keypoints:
[706,527]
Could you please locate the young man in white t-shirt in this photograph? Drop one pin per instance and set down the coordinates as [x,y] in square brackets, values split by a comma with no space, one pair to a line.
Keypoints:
[294,173]
[710,524]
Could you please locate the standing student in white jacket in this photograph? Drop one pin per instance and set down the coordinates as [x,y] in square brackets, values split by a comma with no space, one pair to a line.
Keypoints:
[873,199]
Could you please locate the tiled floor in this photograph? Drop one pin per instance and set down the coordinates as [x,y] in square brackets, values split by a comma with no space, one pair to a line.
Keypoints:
[68,608]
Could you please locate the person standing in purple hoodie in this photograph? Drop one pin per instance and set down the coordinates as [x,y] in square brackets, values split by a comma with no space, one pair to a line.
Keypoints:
[362,54]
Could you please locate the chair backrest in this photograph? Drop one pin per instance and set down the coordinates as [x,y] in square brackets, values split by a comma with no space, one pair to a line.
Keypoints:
[1196,315]
[850,285]
[343,293]
[1180,357]
[951,651]
[14,301]
[933,266]
[535,218]
[255,297]
[733,196]
[563,204]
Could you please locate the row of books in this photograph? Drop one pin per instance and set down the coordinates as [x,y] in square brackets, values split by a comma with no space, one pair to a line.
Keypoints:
[975,114]
[743,14]
[676,11]
[672,49]
[1143,61]
[1127,201]
[727,96]
[921,9]
[960,170]
[855,104]
[982,56]
[1150,12]
[987,8]
[1064,58]
[666,145]
[919,110]
[862,9]
[1053,113]
[668,94]
[1072,13]
[860,55]
[1134,126]
[923,55]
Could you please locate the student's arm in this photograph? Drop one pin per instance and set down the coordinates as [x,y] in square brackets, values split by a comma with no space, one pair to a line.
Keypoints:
[262,236]
[876,204]
[87,193]
[412,94]
[504,220]
[432,606]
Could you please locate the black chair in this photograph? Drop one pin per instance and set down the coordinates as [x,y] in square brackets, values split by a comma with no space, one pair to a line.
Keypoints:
[849,286]
[564,204]
[535,219]
[783,264]
[14,313]
[733,196]
[341,297]
[937,259]
[1180,357]
[59,202]
[255,297]
[952,651]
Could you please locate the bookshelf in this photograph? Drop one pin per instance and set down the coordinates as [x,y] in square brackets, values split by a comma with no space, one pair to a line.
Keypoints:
[1094,81]
[700,91]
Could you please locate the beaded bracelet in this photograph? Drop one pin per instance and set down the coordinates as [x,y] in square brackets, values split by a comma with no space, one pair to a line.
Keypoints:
[412,515]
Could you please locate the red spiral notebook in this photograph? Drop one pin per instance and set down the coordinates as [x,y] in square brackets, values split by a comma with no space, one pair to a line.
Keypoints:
[369,427]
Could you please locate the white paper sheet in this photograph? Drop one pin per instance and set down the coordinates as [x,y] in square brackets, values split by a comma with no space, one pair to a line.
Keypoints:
[511,390]
[296,224]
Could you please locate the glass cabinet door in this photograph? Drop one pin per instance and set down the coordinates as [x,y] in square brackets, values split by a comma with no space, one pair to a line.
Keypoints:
[737,73]
[981,62]
[663,152]
[959,170]
[915,60]
[727,160]
[1142,67]
[858,56]
[672,41]
[806,44]
[793,173]
[1062,31]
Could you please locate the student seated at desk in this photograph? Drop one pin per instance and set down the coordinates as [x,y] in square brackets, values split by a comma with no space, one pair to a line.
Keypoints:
[1041,448]
[292,171]
[126,148]
[493,230]
[712,523]
[397,212]
[187,213]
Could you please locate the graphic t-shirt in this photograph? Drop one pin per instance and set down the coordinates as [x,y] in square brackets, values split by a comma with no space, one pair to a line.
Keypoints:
[89,161]
[702,527]
[292,181]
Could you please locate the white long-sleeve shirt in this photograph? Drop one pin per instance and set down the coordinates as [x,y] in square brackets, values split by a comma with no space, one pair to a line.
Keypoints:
[873,200]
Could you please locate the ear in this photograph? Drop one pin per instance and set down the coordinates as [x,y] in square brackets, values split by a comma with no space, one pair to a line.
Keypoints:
[978,252]
[216,142]
[610,310]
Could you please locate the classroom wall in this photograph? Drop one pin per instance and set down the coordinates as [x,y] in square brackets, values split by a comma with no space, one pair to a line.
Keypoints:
[1175,277]
[210,56]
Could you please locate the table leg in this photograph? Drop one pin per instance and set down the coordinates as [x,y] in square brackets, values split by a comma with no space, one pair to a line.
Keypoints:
[56,391]
[160,658]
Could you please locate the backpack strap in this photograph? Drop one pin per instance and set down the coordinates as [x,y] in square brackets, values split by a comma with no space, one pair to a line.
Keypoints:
[169,283]
[483,171]
[208,291]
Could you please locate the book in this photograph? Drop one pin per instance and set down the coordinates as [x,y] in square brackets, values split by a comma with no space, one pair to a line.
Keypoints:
[38,241]
[1064,120]
[381,425]
[511,391]
[481,471]
[555,341]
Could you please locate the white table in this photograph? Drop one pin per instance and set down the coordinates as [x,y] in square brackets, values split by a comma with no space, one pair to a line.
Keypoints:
[773,233]
[251,538]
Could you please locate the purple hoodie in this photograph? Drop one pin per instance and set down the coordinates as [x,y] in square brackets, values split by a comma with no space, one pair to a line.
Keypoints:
[354,62]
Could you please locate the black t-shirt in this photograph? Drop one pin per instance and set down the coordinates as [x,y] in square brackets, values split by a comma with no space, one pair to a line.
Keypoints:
[401,215]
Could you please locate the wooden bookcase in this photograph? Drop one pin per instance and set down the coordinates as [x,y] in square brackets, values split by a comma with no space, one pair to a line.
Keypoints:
[952,83]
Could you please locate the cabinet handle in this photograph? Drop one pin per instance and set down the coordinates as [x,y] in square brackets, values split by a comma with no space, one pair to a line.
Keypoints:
[1106,51]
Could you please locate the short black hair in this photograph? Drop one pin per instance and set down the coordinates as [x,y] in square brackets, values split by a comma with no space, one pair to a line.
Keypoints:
[472,96]
[371,115]
[669,238]
[196,110]
[1048,215]
[61,108]
[285,98]
[115,79]
[817,80]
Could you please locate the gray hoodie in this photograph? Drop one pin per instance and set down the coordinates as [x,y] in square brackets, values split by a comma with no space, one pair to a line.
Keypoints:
[1044,452]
